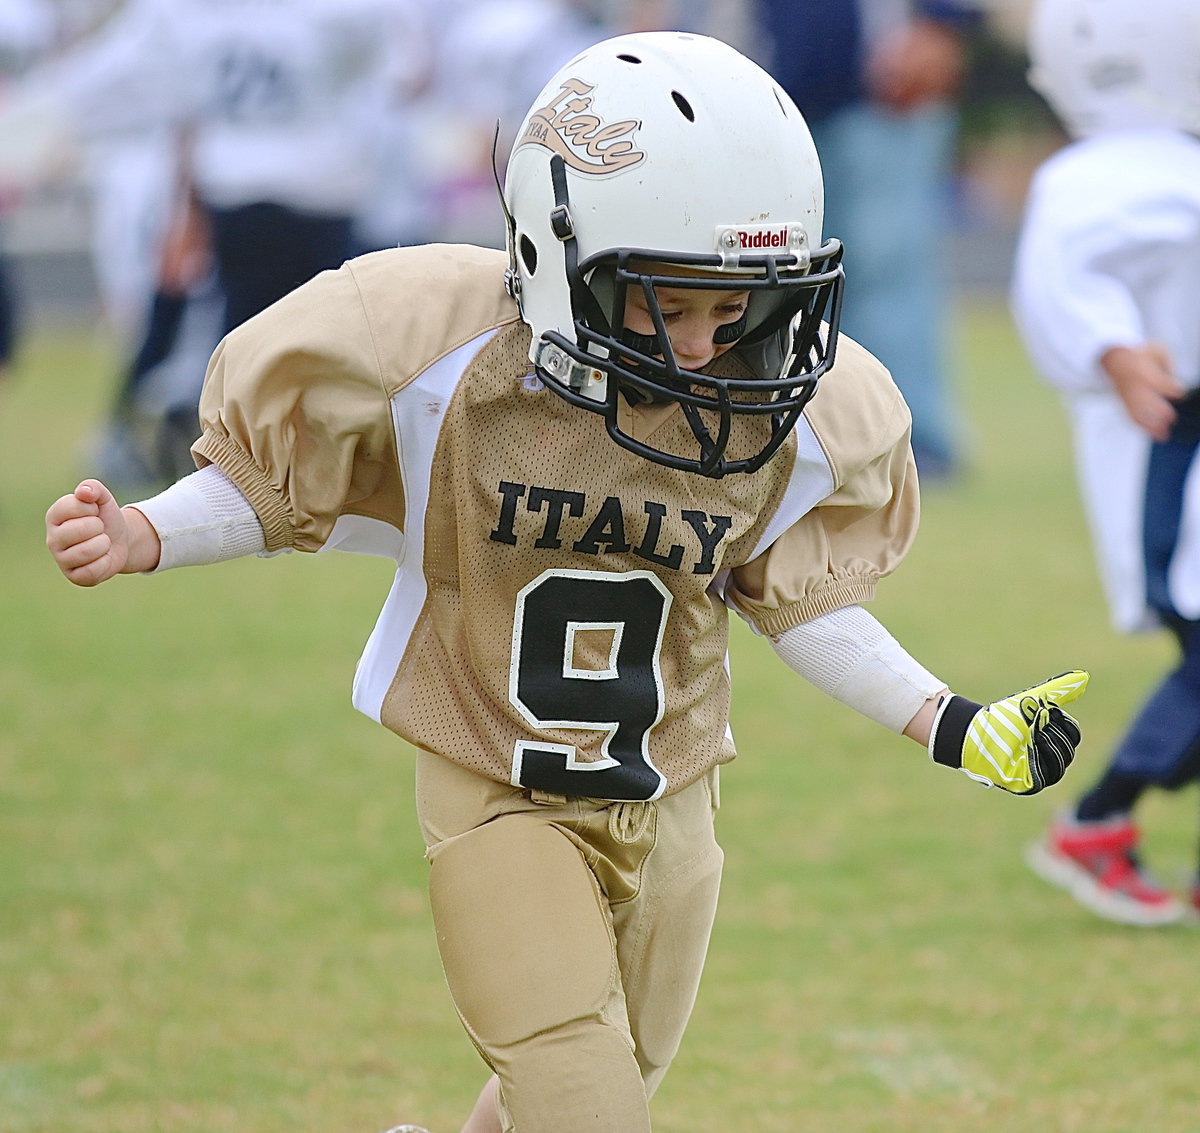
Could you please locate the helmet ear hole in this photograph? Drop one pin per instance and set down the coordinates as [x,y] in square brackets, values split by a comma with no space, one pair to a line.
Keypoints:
[529,256]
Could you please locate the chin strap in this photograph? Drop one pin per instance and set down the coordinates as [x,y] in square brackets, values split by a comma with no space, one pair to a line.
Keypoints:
[563,228]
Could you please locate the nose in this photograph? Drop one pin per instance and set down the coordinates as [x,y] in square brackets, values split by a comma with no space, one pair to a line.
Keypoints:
[692,342]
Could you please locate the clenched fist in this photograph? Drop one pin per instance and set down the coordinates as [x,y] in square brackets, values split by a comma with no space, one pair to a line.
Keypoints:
[93,538]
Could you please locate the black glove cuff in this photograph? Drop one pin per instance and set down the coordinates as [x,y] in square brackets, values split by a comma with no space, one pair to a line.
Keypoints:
[950,730]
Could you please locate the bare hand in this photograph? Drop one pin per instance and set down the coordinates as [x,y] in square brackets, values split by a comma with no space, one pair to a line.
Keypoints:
[91,539]
[923,62]
[1144,379]
[186,254]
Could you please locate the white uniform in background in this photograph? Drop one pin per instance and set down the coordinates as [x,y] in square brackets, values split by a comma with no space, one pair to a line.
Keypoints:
[1110,255]
[275,93]
[273,87]
[249,103]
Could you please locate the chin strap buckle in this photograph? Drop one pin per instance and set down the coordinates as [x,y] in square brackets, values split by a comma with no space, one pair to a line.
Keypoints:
[565,370]
[560,223]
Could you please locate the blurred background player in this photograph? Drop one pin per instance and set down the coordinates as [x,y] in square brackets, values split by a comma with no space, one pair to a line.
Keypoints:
[1106,293]
[115,92]
[877,82]
[229,151]
[278,142]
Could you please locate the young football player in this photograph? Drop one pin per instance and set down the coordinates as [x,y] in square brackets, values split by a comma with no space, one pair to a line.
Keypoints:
[1105,294]
[581,456]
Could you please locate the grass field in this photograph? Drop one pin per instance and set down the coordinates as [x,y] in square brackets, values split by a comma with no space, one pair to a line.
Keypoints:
[212,907]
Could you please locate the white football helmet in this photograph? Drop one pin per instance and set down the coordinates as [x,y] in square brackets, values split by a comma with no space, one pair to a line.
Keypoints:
[1118,64]
[672,150]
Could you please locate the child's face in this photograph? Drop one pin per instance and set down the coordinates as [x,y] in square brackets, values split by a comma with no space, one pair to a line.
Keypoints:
[691,316]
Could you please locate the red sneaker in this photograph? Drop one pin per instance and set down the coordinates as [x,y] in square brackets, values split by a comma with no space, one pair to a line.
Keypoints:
[1096,862]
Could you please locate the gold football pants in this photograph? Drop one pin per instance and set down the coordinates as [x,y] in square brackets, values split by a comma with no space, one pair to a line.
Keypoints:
[572,933]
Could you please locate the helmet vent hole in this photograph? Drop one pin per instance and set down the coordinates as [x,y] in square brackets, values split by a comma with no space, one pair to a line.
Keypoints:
[685,107]
[528,254]
[629,58]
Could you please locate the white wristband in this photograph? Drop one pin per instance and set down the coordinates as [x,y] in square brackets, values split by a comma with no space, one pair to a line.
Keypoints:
[851,657]
[203,518]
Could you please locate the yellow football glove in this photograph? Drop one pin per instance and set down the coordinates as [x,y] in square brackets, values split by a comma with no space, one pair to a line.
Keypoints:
[1021,744]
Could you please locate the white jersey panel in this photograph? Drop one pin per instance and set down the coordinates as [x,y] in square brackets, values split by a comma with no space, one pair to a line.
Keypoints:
[811,481]
[415,409]
[359,534]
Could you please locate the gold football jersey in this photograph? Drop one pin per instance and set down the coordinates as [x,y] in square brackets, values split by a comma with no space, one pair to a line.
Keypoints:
[558,618]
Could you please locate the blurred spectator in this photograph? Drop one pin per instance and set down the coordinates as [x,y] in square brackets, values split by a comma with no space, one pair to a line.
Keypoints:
[876,81]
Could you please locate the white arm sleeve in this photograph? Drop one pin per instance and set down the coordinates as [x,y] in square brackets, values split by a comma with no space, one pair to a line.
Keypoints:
[850,656]
[202,518]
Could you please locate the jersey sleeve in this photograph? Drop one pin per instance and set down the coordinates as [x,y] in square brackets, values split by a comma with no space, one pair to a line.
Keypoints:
[835,553]
[295,412]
